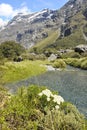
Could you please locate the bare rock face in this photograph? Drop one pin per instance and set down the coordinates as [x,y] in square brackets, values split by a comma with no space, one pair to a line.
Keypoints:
[85,13]
[69,10]
[52,57]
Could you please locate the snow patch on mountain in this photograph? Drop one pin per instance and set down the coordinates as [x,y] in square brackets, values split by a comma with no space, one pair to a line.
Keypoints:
[30,17]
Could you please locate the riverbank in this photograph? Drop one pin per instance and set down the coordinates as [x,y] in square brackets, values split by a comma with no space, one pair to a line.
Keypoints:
[78,63]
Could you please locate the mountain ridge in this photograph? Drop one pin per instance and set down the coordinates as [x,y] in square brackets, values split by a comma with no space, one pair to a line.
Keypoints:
[22,27]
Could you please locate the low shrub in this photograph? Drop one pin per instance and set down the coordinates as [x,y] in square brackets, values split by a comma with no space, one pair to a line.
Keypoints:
[59,64]
[31,109]
[33,56]
[58,120]
[84,65]
[80,63]
[11,49]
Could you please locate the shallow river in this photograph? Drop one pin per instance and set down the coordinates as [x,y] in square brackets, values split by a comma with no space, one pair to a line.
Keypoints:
[71,85]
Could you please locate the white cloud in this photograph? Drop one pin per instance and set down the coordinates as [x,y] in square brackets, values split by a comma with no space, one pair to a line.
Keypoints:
[2,22]
[7,11]
[23,9]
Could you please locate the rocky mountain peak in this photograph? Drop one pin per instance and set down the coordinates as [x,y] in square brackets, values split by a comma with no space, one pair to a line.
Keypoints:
[72,7]
[30,28]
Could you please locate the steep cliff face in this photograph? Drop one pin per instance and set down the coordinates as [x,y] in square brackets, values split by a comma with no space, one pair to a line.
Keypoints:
[70,12]
[74,29]
[72,7]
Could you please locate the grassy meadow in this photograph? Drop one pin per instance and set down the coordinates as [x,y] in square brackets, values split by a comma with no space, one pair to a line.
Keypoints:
[15,71]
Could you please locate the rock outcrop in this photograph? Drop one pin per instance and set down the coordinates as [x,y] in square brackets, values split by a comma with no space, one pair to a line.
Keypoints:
[52,57]
[81,48]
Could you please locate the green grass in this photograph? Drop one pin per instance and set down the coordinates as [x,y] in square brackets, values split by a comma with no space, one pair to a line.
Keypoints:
[71,41]
[15,71]
[80,63]
[59,64]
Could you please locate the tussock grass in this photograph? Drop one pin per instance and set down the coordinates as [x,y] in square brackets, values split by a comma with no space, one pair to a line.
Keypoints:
[15,71]
[59,64]
[80,63]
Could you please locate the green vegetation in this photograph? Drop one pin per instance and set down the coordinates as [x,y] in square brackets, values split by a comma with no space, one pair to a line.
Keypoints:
[71,41]
[62,120]
[3,96]
[15,71]
[59,64]
[80,63]
[33,56]
[71,55]
[10,50]
[29,110]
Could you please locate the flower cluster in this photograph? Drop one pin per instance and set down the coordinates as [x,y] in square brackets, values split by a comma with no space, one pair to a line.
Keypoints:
[56,98]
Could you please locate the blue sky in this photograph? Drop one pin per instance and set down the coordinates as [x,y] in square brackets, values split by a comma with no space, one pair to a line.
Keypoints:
[9,8]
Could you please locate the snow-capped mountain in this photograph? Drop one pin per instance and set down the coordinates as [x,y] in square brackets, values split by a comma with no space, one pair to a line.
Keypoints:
[31,28]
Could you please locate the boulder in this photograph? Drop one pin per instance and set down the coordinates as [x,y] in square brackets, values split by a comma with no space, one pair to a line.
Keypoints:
[18,59]
[52,57]
[81,48]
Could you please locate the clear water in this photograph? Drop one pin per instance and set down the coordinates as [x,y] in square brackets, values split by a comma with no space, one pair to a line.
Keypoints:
[71,85]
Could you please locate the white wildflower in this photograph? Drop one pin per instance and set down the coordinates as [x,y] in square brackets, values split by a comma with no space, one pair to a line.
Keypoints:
[58,99]
[40,94]
[48,99]
[57,107]
[47,92]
